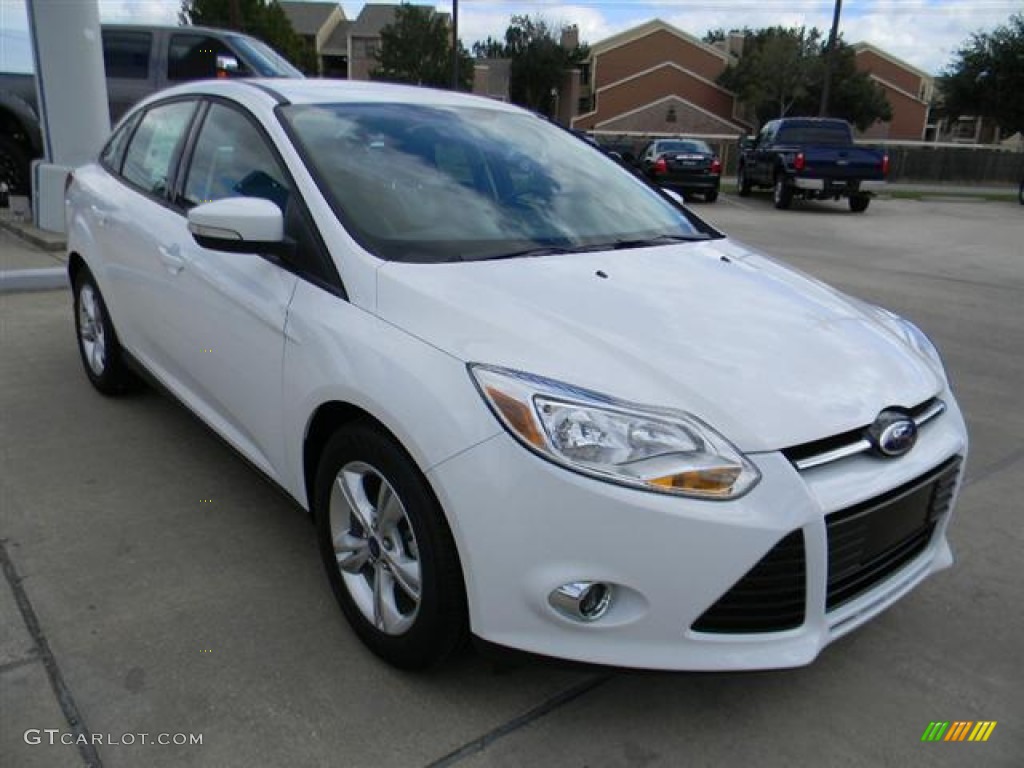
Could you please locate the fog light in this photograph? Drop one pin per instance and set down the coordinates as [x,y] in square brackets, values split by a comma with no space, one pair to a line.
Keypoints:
[582,600]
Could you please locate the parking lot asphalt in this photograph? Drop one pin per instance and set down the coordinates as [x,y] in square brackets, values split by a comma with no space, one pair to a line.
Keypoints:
[155,584]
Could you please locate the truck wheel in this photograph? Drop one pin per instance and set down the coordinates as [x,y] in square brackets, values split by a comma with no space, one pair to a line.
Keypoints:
[742,182]
[782,193]
[711,196]
[14,167]
[859,203]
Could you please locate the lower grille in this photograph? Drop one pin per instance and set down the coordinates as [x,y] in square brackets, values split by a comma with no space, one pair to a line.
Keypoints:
[769,598]
[870,541]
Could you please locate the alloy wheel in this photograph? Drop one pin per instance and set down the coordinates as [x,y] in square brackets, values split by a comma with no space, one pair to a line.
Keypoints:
[375,548]
[90,330]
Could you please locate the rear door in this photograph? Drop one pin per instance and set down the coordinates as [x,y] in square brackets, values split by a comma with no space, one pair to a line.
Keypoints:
[135,219]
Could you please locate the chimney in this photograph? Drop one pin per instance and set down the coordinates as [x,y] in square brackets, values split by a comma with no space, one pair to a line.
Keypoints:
[570,37]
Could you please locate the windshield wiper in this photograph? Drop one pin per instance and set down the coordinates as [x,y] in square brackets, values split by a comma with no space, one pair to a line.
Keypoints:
[659,240]
[614,245]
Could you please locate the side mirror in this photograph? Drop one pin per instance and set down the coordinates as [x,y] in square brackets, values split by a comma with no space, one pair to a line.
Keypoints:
[227,65]
[239,225]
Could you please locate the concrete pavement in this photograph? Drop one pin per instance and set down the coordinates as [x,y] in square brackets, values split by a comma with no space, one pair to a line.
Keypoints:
[175,592]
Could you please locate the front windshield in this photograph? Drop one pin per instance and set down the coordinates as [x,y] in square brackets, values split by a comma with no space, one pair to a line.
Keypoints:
[265,60]
[430,183]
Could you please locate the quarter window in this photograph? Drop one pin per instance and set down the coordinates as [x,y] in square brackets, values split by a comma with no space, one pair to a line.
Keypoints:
[113,152]
[147,163]
[232,159]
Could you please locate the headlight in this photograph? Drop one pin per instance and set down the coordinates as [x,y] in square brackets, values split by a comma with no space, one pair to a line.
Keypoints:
[658,450]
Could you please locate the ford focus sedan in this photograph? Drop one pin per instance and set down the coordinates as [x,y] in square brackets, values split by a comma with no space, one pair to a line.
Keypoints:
[525,395]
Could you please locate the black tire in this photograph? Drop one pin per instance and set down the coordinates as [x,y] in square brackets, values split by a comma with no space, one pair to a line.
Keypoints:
[102,356]
[15,167]
[710,196]
[743,184]
[859,203]
[782,193]
[430,630]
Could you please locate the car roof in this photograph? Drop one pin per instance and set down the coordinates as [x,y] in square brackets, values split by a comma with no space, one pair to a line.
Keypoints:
[326,91]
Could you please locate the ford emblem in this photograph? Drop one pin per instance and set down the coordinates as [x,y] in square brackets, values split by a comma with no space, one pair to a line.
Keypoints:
[893,433]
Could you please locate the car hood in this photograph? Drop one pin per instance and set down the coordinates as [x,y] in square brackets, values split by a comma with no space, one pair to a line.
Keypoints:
[769,357]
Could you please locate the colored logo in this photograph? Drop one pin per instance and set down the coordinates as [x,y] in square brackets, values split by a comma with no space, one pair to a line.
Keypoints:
[893,433]
[959,730]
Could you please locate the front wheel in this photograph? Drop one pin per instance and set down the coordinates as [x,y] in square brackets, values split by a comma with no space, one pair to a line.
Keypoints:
[390,557]
[859,203]
[782,193]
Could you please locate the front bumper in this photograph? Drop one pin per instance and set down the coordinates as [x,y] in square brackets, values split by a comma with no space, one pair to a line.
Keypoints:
[524,527]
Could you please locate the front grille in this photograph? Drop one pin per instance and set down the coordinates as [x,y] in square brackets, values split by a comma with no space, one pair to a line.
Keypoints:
[829,449]
[769,598]
[872,540]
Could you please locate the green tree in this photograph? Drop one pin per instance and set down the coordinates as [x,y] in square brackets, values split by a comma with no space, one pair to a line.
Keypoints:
[416,48]
[263,19]
[986,76]
[538,60]
[781,73]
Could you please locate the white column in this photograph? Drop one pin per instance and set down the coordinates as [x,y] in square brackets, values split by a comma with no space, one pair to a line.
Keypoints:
[72,97]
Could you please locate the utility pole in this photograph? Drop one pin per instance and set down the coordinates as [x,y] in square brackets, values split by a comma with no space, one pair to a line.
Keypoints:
[830,52]
[455,45]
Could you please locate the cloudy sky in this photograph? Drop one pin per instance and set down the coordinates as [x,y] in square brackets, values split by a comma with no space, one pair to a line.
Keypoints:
[922,32]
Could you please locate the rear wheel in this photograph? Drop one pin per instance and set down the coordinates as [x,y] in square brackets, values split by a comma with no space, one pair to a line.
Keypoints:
[782,193]
[97,342]
[859,203]
[390,557]
[711,195]
[742,182]
[14,167]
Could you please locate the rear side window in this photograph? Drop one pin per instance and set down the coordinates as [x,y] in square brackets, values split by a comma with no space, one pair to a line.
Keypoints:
[232,159]
[153,147]
[113,153]
[194,57]
[126,54]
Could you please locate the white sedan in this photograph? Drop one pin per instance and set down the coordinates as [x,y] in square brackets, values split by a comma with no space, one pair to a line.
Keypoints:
[524,395]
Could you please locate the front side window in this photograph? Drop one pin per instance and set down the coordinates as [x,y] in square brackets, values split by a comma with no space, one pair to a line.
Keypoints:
[194,57]
[265,60]
[425,183]
[153,147]
[232,159]
[126,53]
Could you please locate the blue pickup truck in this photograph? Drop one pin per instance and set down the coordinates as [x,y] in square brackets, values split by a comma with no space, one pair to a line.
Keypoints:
[813,159]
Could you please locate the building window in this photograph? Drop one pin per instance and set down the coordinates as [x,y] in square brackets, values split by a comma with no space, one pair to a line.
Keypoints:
[584,105]
[585,73]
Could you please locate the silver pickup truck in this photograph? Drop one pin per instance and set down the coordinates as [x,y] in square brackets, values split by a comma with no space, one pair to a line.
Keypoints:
[138,60]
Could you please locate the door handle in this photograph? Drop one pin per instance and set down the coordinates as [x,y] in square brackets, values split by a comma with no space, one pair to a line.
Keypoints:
[171,257]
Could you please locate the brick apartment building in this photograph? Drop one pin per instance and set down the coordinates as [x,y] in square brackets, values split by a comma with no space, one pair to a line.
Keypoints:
[656,78]
[908,89]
